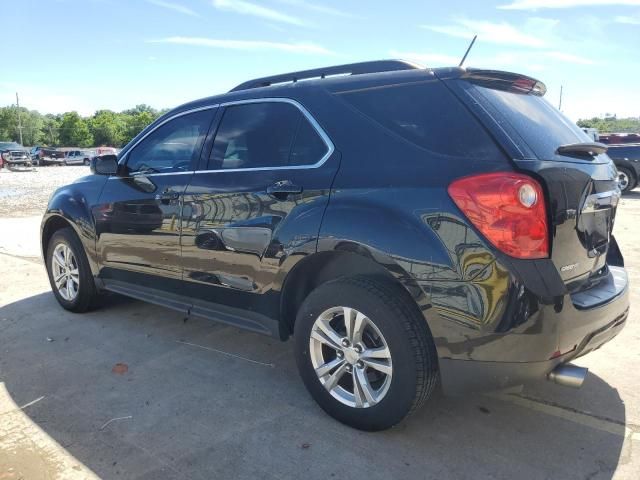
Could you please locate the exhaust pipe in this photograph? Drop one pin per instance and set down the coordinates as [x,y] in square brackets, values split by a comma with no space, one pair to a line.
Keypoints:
[568,375]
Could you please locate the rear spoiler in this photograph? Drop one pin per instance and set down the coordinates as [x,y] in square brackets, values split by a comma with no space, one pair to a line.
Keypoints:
[590,149]
[507,81]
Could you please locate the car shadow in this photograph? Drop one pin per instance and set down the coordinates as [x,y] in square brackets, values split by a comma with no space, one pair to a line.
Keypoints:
[137,391]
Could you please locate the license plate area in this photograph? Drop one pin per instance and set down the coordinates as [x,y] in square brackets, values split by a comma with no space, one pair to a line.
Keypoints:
[595,222]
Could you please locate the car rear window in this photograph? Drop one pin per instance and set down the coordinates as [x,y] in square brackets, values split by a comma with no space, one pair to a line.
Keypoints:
[542,126]
[427,115]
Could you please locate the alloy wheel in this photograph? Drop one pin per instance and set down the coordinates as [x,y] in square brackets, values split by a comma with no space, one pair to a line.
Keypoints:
[66,275]
[623,180]
[351,357]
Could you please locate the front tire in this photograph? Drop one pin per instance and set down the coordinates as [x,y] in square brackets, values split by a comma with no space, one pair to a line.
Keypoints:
[626,179]
[69,272]
[364,353]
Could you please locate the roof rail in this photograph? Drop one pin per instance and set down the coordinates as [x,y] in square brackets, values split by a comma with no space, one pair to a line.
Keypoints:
[350,69]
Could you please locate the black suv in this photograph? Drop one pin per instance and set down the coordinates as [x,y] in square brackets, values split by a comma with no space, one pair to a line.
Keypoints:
[627,160]
[406,226]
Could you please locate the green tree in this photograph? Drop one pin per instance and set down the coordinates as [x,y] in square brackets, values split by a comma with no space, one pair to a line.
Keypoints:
[611,124]
[107,128]
[74,131]
[136,123]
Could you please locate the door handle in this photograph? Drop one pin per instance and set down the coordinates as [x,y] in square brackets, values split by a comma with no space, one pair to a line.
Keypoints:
[283,189]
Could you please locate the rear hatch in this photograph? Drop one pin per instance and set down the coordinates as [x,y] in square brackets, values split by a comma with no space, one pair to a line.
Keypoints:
[579,178]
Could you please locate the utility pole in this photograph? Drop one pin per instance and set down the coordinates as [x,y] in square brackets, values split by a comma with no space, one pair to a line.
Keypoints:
[560,103]
[19,119]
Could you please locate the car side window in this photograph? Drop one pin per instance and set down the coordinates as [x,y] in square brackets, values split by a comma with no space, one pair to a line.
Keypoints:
[265,135]
[172,147]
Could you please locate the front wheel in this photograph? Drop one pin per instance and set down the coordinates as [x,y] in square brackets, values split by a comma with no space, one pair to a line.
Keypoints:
[626,179]
[69,272]
[365,355]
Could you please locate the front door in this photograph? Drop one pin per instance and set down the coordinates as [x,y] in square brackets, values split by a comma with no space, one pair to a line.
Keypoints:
[260,197]
[138,214]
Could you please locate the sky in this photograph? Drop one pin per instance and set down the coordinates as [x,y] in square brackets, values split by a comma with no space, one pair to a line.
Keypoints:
[85,55]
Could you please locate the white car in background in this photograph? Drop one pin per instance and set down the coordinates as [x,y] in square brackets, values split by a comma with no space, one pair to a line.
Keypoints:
[77,157]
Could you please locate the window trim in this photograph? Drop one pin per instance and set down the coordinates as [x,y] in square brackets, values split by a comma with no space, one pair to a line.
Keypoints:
[314,124]
[123,160]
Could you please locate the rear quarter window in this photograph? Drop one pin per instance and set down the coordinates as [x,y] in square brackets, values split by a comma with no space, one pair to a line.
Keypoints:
[426,114]
[540,125]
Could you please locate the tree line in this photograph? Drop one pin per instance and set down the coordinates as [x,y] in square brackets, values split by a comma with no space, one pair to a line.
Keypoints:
[612,124]
[104,127]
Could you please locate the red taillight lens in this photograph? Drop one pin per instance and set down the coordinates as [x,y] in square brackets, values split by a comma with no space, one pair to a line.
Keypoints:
[509,210]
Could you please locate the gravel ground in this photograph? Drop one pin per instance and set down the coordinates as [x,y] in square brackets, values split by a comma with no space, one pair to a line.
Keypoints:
[27,193]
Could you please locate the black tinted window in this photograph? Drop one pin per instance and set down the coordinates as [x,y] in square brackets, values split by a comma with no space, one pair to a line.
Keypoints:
[427,115]
[542,126]
[269,134]
[172,146]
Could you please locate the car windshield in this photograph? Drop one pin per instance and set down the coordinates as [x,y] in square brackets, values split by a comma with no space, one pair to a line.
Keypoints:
[6,145]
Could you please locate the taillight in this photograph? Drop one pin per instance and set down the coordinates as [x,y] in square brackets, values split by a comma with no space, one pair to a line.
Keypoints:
[508,209]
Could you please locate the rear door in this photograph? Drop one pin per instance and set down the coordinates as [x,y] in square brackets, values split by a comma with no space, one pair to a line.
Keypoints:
[259,198]
[581,187]
[138,214]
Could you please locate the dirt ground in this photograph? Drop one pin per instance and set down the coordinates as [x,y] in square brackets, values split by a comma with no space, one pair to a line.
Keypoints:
[137,391]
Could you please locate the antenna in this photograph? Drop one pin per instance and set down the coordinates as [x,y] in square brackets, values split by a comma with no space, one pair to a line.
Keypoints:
[468,48]
[560,102]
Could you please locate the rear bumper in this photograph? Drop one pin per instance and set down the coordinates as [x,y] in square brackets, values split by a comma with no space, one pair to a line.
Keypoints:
[561,334]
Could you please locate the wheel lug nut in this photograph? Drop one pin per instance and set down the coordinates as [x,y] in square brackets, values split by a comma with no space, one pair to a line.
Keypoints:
[345,342]
[358,348]
[340,354]
[349,368]
[360,364]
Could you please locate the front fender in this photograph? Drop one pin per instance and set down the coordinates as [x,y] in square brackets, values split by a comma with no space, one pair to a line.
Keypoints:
[71,205]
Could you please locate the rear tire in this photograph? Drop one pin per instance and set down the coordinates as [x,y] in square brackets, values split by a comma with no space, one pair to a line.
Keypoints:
[372,377]
[626,179]
[69,272]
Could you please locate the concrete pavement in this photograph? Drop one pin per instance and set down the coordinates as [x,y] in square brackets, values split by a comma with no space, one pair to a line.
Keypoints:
[201,400]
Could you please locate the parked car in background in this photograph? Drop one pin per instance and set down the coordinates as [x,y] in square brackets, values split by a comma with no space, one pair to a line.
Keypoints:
[592,132]
[627,160]
[338,211]
[105,151]
[616,138]
[77,157]
[14,155]
[44,156]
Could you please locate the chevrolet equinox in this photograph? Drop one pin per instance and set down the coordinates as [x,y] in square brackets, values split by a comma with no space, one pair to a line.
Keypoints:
[408,227]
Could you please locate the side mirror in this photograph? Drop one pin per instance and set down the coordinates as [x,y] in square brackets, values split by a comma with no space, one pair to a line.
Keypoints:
[104,165]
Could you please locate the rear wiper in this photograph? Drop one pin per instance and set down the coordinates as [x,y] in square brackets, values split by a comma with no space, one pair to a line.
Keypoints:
[582,149]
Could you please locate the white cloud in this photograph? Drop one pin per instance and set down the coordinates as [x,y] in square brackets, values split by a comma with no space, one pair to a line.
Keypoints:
[569,58]
[176,7]
[317,8]
[248,8]
[501,33]
[536,4]
[247,45]
[427,59]
[628,19]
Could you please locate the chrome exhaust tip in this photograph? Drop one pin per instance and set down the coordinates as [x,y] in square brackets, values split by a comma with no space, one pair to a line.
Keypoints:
[568,375]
